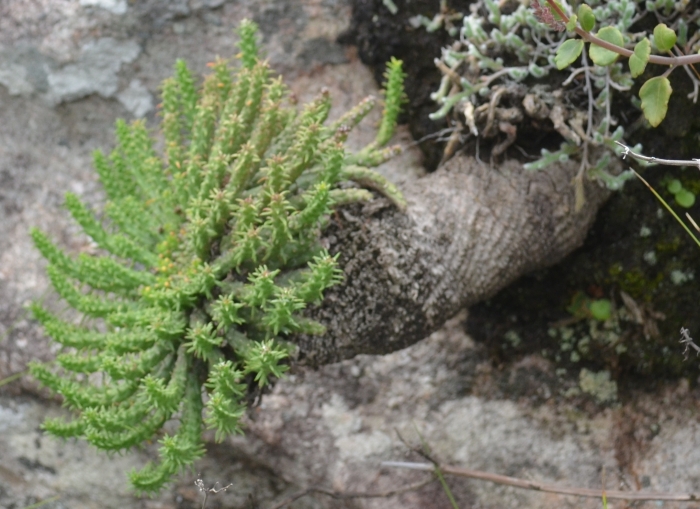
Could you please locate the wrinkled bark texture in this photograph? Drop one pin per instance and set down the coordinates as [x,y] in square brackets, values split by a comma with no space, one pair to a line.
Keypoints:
[468,231]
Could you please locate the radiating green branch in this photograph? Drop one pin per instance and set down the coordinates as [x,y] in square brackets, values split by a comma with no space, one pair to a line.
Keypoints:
[211,253]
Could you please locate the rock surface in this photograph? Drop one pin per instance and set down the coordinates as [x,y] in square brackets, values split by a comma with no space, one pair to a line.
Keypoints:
[68,69]
[332,428]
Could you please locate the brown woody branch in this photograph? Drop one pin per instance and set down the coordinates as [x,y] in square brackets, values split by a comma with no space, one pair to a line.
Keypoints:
[654,59]
[548,488]
[468,231]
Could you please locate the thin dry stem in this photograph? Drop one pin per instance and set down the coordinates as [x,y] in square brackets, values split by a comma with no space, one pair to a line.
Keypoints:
[668,162]
[654,59]
[688,342]
[547,488]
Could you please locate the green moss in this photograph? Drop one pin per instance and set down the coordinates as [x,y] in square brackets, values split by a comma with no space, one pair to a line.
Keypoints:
[635,282]
[669,246]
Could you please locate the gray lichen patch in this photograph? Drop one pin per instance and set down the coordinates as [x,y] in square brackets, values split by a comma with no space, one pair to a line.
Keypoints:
[27,71]
[599,385]
[94,72]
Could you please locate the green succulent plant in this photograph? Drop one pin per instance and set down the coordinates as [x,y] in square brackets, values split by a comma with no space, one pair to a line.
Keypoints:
[208,257]
[503,44]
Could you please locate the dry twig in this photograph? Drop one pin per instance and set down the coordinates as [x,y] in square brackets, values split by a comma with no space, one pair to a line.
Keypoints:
[655,160]
[548,488]
[688,342]
[200,484]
